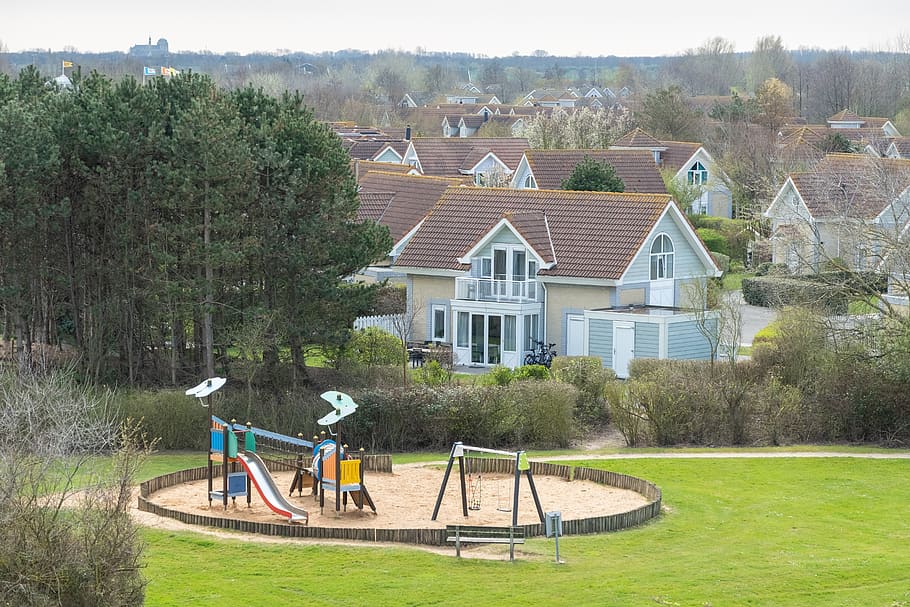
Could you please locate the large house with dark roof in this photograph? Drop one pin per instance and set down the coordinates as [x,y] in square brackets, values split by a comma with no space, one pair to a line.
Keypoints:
[690,163]
[491,271]
[849,207]
[547,169]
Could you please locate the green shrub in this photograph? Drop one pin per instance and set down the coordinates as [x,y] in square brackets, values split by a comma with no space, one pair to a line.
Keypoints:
[537,372]
[544,413]
[175,419]
[767,268]
[590,378]
[768,291]
[499,376]
[433,374]
[714,240]
[374,347]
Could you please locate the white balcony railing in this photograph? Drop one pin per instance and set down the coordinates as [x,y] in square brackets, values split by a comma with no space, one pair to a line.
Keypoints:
[489,289]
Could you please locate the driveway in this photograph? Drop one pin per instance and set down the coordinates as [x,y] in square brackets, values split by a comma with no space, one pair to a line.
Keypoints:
[754,318]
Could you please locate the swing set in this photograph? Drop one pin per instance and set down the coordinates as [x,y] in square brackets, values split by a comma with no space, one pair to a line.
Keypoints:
[472,486]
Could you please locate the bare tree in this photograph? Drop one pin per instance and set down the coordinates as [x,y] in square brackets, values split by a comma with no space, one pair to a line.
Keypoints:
[66,537]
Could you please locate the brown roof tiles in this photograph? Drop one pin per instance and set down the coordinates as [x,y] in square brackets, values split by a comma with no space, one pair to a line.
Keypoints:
[593,235]
[854,186]
[636,168]
[446,156]
[412,198]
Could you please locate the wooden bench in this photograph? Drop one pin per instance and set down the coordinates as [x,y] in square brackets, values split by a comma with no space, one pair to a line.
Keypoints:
[466,534]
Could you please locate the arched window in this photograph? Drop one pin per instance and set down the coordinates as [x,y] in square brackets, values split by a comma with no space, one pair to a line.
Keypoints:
[698,174]
[529,182]
[661,257]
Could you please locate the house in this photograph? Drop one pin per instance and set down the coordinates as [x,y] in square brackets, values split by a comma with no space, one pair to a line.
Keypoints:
[845,119]
[690,163]
[603,274]
[547,169]
[849,207]
[485,159]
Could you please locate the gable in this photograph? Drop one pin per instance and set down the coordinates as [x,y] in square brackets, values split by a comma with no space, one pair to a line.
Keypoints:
[691,258]
[788,204]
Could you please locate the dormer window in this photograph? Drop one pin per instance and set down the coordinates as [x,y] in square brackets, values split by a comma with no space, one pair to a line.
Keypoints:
[698,174]
[529,182]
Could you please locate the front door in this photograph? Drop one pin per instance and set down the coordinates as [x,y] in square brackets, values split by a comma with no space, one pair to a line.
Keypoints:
[575,336]
[623,348]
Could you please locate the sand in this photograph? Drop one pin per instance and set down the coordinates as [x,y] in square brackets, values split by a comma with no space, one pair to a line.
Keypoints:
[405,499]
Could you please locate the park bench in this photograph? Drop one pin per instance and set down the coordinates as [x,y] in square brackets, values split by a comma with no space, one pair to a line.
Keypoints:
[466,534]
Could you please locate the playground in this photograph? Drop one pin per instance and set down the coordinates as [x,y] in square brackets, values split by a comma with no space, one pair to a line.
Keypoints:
[258,480]
[405,499]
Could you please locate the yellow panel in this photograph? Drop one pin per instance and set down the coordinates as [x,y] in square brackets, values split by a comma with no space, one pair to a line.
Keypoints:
[350,472]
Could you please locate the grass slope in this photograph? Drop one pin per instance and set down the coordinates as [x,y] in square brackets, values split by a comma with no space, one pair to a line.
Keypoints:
[780,532]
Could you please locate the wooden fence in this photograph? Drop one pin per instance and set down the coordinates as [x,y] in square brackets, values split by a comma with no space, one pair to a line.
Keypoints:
[432,537]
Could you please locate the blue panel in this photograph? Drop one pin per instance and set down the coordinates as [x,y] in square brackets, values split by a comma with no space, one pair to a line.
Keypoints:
[236,484]
[600,340]
[217,440]
[686,342]
[647,340]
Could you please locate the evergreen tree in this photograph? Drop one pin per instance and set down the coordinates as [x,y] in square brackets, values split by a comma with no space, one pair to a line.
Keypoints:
[594,176]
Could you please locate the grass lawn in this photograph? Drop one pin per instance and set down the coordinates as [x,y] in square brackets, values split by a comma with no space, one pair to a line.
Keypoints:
[794,531]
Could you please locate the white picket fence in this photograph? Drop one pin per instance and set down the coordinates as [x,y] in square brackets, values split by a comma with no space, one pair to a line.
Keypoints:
[386,322]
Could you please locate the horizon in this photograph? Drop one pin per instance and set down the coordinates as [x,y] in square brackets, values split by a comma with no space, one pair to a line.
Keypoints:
[280,27]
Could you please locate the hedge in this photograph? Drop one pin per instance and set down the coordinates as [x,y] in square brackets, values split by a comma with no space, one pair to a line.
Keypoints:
[768,291]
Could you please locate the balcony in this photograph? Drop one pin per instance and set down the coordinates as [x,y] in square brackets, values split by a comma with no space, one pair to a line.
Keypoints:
[490,289]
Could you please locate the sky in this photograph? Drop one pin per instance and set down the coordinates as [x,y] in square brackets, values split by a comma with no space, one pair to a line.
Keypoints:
[582,27]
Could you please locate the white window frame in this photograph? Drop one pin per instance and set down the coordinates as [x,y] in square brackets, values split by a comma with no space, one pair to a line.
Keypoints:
[661,263]
[698,174]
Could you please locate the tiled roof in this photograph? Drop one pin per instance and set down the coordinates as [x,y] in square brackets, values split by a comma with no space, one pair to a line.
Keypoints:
[445,156]
[413,197]
[373,204]
[594,235]
[533,227]
[636,168]
[903,146]
[637,138]
[365,149]
[845,115]
[677,153]
[361,167]
[852,185]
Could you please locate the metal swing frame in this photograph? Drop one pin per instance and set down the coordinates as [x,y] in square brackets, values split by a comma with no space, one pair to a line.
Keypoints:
[521,466]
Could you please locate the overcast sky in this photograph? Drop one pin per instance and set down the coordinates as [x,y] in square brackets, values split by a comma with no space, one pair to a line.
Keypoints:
[652,27]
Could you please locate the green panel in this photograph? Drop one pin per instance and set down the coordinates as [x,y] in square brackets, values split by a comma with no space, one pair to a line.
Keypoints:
[647,340]
[249,442]
[600,340]
[232,445]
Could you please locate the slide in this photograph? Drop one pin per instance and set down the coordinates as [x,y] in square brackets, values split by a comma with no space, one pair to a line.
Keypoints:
[270,494]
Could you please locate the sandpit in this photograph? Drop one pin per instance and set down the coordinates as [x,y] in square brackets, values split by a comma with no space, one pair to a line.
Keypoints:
[405,498]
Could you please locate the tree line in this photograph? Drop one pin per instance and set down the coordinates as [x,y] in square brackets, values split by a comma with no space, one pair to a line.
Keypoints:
[149,227]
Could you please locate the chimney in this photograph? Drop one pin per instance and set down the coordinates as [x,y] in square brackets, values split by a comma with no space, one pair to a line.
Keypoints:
[407,133]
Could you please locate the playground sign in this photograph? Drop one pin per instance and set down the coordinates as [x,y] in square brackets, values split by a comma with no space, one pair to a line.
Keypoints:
[344,406]
[207,387]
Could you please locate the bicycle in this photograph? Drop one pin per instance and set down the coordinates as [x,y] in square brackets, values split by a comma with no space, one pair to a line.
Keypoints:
[542,355]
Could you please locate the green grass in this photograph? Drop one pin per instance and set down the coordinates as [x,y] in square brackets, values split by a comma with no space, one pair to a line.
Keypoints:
[780,532]
[733,281]
[864,306]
